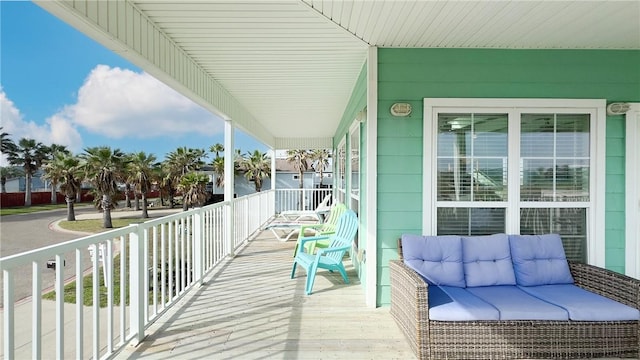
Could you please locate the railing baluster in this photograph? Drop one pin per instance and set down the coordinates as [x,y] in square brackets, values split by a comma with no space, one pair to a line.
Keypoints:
[163,267]
[59,306]
[108,269]
[123,286]
[96,300]
[154,265]
[136,282]
[8,328]
[145,263]
[36,298]
[79,305]
[170,260]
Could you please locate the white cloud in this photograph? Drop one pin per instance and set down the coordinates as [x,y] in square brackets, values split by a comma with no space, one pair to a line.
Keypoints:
[57,129]
[121,103]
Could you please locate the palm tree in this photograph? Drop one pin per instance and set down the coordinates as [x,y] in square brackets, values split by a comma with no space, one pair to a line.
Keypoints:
[50,152]
[193,186]
[180,162]
[140,171]
[218,170]
[104,168]
[67,170]
[6,144]
[299,159]
[9,172]
[216,149]
[257,166]
[320,161]
[29,154]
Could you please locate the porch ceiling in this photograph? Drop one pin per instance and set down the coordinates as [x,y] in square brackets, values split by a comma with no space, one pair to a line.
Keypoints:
[292,64]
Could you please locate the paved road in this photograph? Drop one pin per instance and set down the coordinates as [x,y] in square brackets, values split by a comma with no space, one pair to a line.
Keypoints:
[24,232]
[20,233]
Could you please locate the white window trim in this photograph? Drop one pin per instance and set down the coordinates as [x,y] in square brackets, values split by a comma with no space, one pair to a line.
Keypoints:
[355,126]
[632,192]
[596,213]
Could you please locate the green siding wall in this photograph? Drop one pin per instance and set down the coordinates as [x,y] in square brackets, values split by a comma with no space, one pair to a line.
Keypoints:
[409,75]
[357,103]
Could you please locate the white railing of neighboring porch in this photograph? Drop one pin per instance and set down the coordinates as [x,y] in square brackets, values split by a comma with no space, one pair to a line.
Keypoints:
[159,261]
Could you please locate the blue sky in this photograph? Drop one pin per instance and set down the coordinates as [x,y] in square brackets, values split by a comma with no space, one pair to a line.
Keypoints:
[59,86]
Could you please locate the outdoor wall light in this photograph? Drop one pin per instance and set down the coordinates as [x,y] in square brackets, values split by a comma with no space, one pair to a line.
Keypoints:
[400,109]
[617,108]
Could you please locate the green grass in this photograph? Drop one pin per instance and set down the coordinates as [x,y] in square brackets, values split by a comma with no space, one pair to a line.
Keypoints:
[87,297]
[95,225]
[30,209]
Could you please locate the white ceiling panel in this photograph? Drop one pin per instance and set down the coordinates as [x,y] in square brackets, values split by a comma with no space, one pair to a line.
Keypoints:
[292,64]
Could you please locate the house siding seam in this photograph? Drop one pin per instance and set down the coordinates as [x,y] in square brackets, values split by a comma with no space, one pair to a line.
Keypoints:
[410,75]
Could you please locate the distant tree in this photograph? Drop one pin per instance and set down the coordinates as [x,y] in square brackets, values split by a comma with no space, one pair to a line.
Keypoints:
[216,149]
[6,144]
[29,154]
[256,166]
[9,172]
[193,186]
[104,168]
[140,170]
[67,170]
[300,161]
[320,161]
[180,162]
[50,152]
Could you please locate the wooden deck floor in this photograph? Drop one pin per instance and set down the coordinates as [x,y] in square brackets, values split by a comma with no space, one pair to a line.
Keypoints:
[251,309]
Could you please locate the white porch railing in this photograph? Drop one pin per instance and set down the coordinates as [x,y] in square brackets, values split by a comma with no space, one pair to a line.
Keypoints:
[147,266]
[299,199]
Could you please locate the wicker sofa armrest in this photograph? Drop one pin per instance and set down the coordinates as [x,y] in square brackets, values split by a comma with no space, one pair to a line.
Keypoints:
[410,305]
[607,283]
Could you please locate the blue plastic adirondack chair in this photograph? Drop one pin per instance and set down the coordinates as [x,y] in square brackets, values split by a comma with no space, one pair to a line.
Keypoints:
[329,258]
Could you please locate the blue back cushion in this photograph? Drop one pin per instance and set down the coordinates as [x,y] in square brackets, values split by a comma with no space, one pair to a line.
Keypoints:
[487,260]
[438,259]
[539,260]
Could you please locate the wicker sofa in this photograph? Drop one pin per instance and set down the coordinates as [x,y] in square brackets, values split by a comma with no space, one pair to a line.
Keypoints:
[516,339]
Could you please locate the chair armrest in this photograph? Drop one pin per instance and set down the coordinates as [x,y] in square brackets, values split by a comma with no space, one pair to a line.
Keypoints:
[334,249]
[607,283]
[311,238]
[410,305]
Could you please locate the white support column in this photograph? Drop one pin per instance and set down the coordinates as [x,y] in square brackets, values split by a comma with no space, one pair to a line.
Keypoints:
[229,185]
[632,206]
[59,286]
[36,321]
[371,182]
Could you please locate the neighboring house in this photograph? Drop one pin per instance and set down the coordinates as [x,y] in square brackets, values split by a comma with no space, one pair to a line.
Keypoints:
[18,184]
[461,120]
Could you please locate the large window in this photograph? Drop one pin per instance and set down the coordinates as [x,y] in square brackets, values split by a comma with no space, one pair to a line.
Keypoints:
[507,166]
[341,169]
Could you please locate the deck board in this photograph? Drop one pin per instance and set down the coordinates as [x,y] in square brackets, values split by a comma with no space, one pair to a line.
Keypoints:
[251,309]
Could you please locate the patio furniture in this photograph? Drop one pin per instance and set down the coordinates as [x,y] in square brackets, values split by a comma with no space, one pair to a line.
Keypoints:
[316,215]
[329,258]
[326,228]
[467,298]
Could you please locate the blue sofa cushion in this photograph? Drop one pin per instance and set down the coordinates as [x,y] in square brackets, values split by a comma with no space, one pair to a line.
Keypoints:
[583,305]
[438,259]
[448,303]
[539,260]
[487,260]
[515,304]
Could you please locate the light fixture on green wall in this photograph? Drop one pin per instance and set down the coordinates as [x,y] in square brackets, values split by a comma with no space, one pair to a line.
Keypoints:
[400,109]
